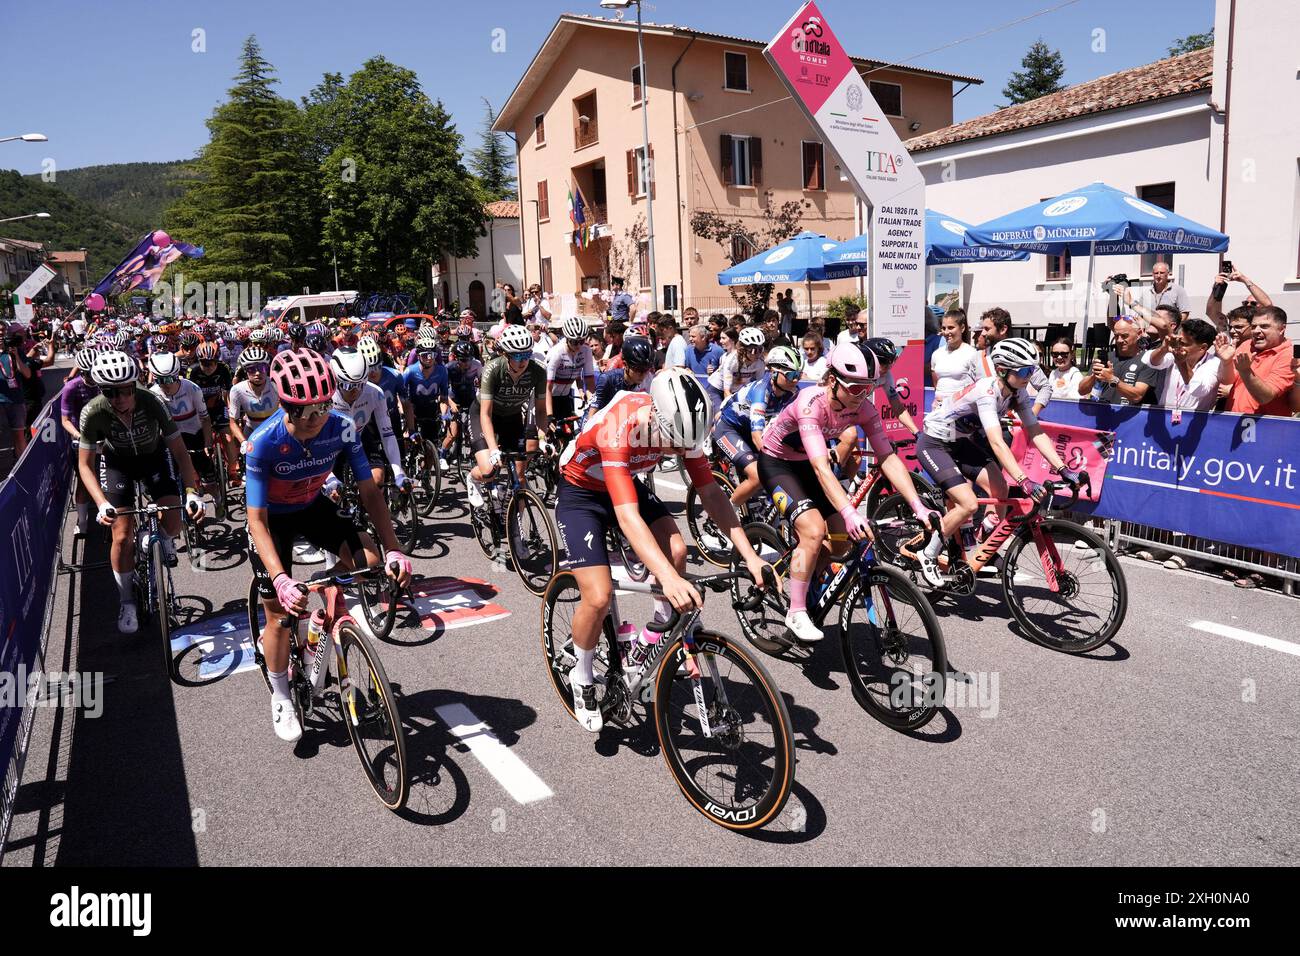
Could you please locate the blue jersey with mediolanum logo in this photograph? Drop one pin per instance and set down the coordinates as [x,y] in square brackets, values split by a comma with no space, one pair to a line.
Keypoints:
[285,475]
[751,408]
[425,392]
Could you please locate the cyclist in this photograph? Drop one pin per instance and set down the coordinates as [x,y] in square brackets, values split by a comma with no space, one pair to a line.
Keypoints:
[426,387]
[740,367]
[463,377]
[363,402]
[387,378]
[962,441]
[738,432]
[77,392]
[253,400]
[140,443]
[289,458]
[213,377]
[795,468]
[635,375]
[568,362]
[886,353]
[188,343]
[496,419]
[597,490]
[185,404]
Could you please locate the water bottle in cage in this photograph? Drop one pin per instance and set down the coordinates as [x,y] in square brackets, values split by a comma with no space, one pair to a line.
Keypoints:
[642,647]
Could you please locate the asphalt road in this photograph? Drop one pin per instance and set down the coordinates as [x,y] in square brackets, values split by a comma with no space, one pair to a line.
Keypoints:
[1174,745]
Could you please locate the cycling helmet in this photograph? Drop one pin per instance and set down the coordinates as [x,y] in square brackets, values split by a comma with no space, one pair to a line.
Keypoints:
[189,340]
[168,328]
[207,352]
[681,408]
[297,333]
[317,329]
[850,363]
[165,365]
[1011,354]
[637,352]
[243,333]
[884,349]
[114,368]
[462,350]
[121,339]
[575,327]
[86,360]
[785,357]
[260,336]
[230,335]
[302,377]
[317,343]
[516,338]
[159,343]
[426,335]
[752,338]
[467,314]
[253,355]
[370,351]
[350,366]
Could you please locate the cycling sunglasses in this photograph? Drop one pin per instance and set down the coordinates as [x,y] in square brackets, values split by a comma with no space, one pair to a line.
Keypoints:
[1025,372]
[305,411]
[256,369]
[857,388]
[112,393]
[787,372]
[166,379]
[207,361]
[426,354]
[519,356]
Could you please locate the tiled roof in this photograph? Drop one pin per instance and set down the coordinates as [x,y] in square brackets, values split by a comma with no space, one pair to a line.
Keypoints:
[1175,76]
[79,256]
[504,209]
[24,244]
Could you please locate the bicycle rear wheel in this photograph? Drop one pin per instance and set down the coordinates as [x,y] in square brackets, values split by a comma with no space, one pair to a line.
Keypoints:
[161,600]
[764,627]
[1088,605]
[534,547]
[715,547]
[727,740]
[222,479]
[893,649]
[370,712]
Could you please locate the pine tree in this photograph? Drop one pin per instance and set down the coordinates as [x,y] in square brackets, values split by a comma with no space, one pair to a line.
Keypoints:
[1043,69]
[1193,41]
[492,163]
[243,204]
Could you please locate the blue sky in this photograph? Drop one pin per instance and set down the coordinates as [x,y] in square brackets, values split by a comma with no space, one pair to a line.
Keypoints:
[99,105]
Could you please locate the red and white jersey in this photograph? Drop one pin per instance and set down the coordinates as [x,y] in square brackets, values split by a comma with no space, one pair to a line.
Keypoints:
[614,445]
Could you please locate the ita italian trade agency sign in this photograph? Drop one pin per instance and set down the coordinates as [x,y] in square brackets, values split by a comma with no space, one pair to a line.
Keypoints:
[838,102]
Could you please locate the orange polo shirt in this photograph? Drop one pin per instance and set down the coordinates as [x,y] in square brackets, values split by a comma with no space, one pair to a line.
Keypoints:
[1273,366]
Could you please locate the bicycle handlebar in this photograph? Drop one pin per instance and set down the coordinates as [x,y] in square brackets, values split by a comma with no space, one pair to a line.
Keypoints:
[718,583]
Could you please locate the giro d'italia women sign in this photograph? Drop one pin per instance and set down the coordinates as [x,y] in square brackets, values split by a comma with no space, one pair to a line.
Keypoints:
[838,102]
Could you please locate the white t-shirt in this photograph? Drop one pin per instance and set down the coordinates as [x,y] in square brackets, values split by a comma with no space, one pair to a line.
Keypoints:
[1200,393]
[676,354]
[813,371]
[953,369]
[1059,384]
[846,337]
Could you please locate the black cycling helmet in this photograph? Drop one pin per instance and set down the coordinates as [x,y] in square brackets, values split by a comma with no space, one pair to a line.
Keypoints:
[637,352]
[463,350]
[886,351]
[297,333]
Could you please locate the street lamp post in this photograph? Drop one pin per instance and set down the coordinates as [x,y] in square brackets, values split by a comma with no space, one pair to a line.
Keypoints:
[333,251]
[645,146]
[26,138]
[30,215]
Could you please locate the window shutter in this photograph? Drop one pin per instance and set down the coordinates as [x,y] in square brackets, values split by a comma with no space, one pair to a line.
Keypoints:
[631,172]
[756,160]
[650,172]
[728,176]
[543,201]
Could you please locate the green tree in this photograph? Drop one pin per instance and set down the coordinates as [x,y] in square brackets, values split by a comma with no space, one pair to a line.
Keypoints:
[1193,41]
[492,163]
[244,202]
[402,198]
[775,225]
[1043,69]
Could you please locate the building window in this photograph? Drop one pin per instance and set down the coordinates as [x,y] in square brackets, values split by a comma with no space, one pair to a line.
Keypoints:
[636,172]
[586,127]
[543,202]
[742,160]
[735,72]
[741,249]
[636,84]
[1058,267]
[1161,195]
[547,285]
[889,96]
[814,166]
[539,129]
[643,263]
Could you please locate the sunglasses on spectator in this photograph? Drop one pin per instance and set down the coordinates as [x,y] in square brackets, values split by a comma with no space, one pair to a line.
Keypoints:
[1060,355]
[308,411]
[112,393]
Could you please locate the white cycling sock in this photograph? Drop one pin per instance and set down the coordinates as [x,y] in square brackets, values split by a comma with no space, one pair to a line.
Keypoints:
[583,673]
[934,545]
[279,685]
[124,589]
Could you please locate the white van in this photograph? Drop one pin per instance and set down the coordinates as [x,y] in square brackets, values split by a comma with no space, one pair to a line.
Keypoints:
[306,308]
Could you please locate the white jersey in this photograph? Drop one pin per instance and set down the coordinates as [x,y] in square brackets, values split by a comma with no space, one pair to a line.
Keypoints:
[953,369]
[245,405]
[187,407]
[371,406]
[564,368]
[978,407]
[731,376]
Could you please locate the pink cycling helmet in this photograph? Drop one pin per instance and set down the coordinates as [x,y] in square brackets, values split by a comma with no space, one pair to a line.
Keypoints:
[302,377]
[853,364]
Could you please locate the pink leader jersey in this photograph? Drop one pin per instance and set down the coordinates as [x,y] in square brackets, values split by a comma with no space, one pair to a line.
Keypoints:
[800,431]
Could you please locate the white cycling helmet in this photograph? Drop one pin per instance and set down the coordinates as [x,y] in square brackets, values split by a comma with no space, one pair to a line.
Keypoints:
[350,366]
[752,338]
[516,338]
[165,364]
[86,360]
[114,368]
[575,327]
[253,355]
[1011,354]
[369,348]
[681,408]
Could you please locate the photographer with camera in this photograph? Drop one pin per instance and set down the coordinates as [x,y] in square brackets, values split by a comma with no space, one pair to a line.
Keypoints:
[1123,379]
[1255,296]
[1163,291]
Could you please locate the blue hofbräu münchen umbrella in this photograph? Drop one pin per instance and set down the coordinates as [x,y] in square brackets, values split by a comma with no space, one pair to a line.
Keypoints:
[944,245]
[800,259]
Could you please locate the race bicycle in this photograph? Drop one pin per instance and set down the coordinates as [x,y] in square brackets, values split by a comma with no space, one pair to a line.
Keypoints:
[422,463]
[364,698]
[722,725]
[513,513]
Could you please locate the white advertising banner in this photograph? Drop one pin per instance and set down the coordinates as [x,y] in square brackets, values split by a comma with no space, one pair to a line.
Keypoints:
[23,295]
[838,102]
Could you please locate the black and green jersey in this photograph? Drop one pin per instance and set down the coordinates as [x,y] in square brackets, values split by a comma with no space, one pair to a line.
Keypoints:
[507,394]
[150,424]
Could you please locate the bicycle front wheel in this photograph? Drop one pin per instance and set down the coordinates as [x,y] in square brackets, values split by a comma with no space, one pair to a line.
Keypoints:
[428,479]
[726,737]
[370,712]
[162,597]
[715,547]
[893,649]
[534,548]
[1068,592]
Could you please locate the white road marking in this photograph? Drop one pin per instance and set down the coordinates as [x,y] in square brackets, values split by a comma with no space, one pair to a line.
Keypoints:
[511,772]
[1250,637]
[670,484]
